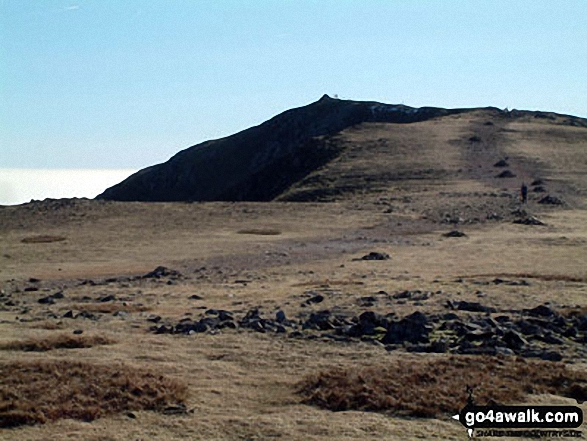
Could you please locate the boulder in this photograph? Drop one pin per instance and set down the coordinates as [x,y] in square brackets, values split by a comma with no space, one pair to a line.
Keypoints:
[551,200]
[455,233]
[513,340]
[463,305]
[373,255]
[506,174]
[413,328]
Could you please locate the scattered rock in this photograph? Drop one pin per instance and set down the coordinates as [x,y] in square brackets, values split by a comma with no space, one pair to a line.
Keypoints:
[550,339]
[416,296]
[498,281]
[88,315]
[437,346]
[154,318]
[506,174]
[367,301]
[455,233]
[519,212]
[280,316]
[160,272]
[179,409]
[321,320]
[413,328]
[49,300]
[470,306]
[530,220]
[373,255]
[543,354]
[533,334]
[513,340]
[551,200]
[253,320]
[318,298]
[541,311]
[528,328]
[369,323]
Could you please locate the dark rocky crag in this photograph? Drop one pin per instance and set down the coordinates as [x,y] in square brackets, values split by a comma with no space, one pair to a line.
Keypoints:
[260,163]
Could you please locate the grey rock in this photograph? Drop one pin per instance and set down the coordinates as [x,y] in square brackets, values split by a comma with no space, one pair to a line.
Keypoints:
[374,255]
[513,340]
[280,316]
[46,300]
[455,233]
[551,200]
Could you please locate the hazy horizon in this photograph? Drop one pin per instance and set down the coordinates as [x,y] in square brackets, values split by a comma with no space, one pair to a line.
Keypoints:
[19,186]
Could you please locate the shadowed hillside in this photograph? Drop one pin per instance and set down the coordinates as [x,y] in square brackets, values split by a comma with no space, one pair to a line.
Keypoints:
[259,163]
[336,149]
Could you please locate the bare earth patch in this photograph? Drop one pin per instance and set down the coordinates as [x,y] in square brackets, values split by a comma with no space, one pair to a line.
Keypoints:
[41,391]
[439,387]
[56,342]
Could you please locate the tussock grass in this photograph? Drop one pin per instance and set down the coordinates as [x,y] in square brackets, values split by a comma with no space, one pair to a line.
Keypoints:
[48,325]
[439,387]
[63,341]
[43,238]
[260,231]
[43,391]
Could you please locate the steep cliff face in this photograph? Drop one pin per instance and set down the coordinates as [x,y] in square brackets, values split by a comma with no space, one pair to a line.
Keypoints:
[260,163]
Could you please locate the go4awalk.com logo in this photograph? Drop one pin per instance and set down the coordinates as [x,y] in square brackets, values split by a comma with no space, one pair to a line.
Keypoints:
[546,421]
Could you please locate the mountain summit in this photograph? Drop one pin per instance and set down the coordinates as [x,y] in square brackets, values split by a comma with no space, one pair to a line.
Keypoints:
[260,163]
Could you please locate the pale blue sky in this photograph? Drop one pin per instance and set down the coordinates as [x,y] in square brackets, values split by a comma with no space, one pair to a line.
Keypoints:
[128,83]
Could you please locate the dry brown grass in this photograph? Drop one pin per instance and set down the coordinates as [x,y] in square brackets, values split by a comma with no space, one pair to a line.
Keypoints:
[41,391]
[439,387]
[574,312]
[260,231]
[48,325]
[63,341]
[44,238]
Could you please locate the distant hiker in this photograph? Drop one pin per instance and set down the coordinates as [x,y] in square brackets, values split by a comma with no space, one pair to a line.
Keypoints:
[524,193]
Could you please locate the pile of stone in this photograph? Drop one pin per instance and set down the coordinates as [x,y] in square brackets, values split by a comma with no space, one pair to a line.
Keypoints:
[215,320]
[469,328]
